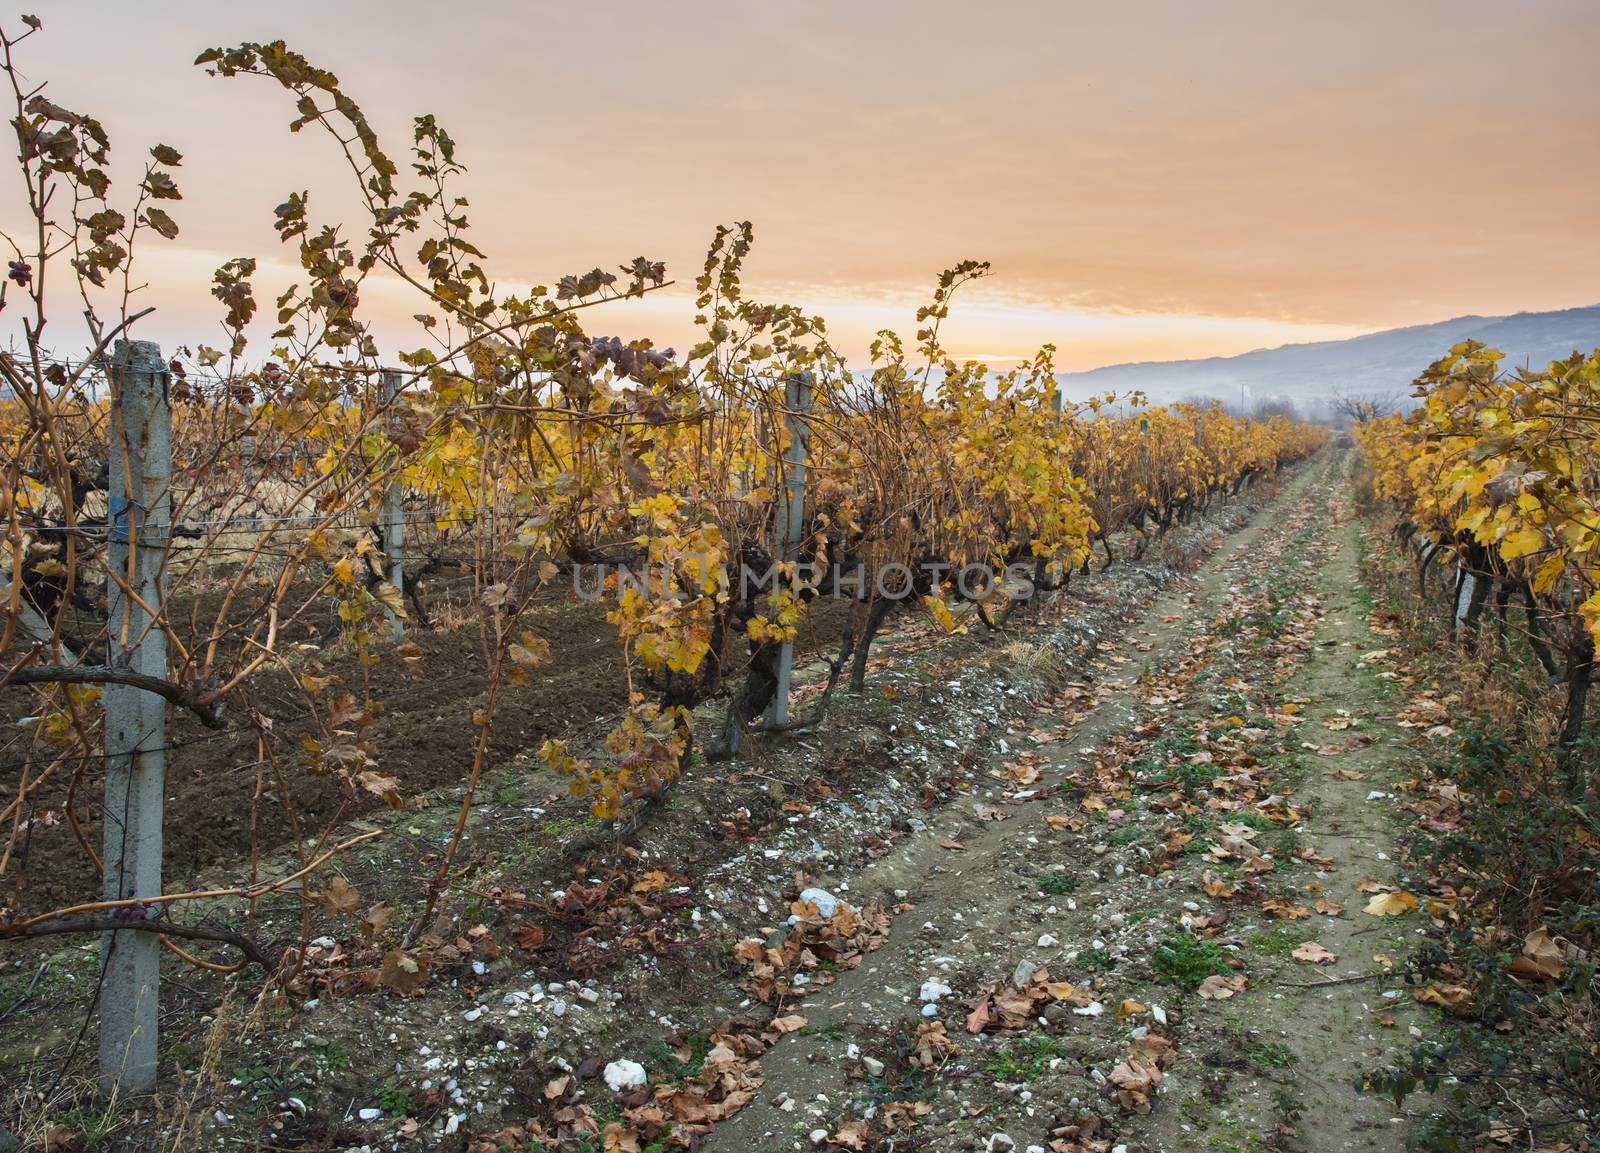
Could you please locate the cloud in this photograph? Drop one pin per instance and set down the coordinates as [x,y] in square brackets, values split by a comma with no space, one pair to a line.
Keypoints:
[1237,174]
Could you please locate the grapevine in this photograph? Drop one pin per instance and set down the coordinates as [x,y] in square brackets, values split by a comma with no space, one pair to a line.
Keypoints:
[1499,473]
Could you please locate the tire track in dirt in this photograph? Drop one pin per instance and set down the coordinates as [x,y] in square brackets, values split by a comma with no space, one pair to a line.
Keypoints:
[804,1075]
[1342,1019]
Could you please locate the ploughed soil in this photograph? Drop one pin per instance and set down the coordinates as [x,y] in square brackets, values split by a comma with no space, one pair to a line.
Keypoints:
[424,736]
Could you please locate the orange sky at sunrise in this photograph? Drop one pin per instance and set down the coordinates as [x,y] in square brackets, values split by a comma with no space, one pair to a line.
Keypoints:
[1150,180]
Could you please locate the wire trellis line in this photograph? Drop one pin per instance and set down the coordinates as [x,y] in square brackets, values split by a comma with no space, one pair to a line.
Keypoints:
[315,520]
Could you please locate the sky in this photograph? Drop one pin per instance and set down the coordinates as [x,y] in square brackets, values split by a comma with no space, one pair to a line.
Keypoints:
[1150,180]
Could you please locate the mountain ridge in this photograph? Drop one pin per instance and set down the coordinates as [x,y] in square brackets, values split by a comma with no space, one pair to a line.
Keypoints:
[1381,363]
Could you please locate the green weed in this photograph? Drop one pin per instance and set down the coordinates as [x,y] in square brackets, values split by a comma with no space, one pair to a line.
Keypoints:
[1264,1055]
[1095,960]
[1057,884]
[1278,941]
[664,1059]
[394,1100]
[1186,961]
[1025,1059]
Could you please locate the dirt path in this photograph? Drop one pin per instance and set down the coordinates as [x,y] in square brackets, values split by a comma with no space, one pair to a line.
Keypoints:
[1311,1030]
[1255,660]
[1342,1031]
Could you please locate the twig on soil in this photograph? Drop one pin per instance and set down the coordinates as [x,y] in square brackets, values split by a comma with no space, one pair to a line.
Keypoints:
[1331,981]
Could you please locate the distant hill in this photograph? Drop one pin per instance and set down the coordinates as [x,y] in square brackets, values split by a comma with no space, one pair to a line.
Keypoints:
[1383,363]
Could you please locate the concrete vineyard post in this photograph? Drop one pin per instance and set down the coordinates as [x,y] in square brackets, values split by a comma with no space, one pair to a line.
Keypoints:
[139,509]
[791,514]
[1466,584]
[394,530]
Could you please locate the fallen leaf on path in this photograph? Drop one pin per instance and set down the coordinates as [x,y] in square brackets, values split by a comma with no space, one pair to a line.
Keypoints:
[376,921]
[403,973]
[1136,1078]
[1219,988]
[1218,888]
[1020,773]
[978,1019]
[934,1048]
[1315,953]
[652,882]
[1394,904]
[1015,1007]
[340,897]
[843,939]
[1422,713]
[1328,908]
[1541,957]
[1452,998]
[851,1136]
[1440,909]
